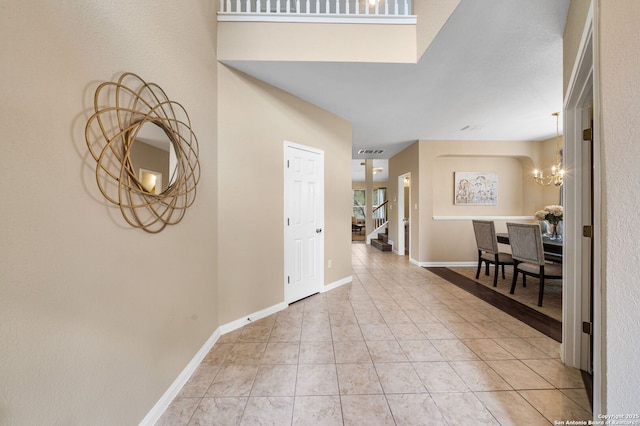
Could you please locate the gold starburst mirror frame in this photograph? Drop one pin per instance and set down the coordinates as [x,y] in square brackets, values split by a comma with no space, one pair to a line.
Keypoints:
[146,152]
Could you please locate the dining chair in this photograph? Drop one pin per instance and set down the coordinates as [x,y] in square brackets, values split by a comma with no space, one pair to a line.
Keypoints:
[488,252]
[528,256]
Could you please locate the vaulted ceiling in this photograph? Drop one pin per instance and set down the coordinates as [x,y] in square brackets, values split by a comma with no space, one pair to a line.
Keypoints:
[494,72]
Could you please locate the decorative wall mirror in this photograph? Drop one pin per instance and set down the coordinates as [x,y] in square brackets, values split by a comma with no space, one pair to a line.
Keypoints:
[146,152]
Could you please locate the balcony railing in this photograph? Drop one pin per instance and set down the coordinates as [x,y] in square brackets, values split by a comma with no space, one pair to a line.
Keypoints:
[382,11]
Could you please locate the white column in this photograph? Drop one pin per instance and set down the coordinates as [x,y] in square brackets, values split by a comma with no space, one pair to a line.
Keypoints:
[368,194]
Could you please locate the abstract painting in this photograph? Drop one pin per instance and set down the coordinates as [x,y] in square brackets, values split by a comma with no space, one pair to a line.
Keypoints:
[476,189]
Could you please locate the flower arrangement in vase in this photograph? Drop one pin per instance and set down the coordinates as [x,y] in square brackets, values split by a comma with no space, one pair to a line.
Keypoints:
[552,214]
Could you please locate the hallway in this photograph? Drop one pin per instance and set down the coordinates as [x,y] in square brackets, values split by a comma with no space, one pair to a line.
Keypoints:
[399,345]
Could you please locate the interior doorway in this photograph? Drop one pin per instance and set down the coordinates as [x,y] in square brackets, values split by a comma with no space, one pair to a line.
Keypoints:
[404,215]
[582,268]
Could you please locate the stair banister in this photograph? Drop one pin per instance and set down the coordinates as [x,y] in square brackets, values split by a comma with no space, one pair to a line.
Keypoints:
[378,222]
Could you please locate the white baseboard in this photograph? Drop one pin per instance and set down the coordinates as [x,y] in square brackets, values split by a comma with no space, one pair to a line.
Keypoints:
[336,284]
[163,403]
[234,325]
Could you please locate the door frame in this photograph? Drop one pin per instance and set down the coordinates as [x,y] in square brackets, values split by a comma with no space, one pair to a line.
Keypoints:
[401,243]
[286,146]
[582,89]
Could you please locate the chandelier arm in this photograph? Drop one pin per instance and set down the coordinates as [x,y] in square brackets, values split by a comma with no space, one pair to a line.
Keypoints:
[556,177]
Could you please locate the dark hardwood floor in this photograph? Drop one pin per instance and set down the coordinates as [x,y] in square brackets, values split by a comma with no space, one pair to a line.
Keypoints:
[541,322]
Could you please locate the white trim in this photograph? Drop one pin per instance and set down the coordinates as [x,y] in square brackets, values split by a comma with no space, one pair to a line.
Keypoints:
[401,215]
[318,18]
[163,403]
[599,316]
[336,284]
[587,33]
[572,265]
[414,262]
[584,77]
[483,217]
[578,86]
[302,147]
[234,325]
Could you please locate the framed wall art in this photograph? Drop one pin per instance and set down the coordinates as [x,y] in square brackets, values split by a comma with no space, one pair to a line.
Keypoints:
[475,188]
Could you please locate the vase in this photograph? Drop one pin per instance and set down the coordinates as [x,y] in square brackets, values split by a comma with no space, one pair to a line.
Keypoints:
[544,228]
[554,231]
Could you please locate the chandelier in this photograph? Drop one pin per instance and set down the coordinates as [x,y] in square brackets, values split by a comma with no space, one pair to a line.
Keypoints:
[556,176]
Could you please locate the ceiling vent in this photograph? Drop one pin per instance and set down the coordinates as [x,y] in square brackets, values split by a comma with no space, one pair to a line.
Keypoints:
[371,151]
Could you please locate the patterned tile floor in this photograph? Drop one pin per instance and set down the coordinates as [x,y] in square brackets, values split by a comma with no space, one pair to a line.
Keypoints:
[399,345]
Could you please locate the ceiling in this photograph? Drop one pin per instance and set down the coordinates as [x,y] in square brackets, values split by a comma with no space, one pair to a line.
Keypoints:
[494,72]
[380,171]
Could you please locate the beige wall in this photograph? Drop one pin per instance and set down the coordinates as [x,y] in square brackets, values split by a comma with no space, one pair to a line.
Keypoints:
[367,43]
[402,163]
[447,241]
[432,15]
[510,182]
[618,41]
[272,41]
[255,120]
[97,319]
[460,245]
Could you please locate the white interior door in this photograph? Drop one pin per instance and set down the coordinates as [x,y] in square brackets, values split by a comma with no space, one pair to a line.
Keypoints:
[304,221]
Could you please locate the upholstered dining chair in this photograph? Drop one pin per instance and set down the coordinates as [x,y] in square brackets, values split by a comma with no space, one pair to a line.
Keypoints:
[528,256]
[488,252]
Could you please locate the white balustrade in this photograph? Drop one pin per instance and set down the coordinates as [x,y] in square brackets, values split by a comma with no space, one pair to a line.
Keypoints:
[380,8]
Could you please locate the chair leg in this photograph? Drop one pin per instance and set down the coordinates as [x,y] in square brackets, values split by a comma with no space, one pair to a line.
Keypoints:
[495,276]
[524,280]
[479,264]
[486,270]
[541,293]
[503,277]
[515,279]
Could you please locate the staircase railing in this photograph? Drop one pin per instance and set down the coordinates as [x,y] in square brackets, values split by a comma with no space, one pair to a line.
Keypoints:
[379,215]
[316,8]
[378,221]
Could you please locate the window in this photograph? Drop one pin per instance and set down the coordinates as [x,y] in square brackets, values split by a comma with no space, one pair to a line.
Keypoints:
[379,197]
[359,200]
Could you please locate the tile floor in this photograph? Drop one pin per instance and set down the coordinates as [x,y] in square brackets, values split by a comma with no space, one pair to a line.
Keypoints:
[397,346]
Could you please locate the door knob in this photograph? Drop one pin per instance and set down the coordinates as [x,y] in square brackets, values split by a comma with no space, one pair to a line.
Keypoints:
[318,230]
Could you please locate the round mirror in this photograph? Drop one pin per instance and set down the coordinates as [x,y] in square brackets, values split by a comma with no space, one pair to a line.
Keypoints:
[153,157]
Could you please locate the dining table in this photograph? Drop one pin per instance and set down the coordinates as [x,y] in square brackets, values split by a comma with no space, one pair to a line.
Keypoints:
[552,248]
